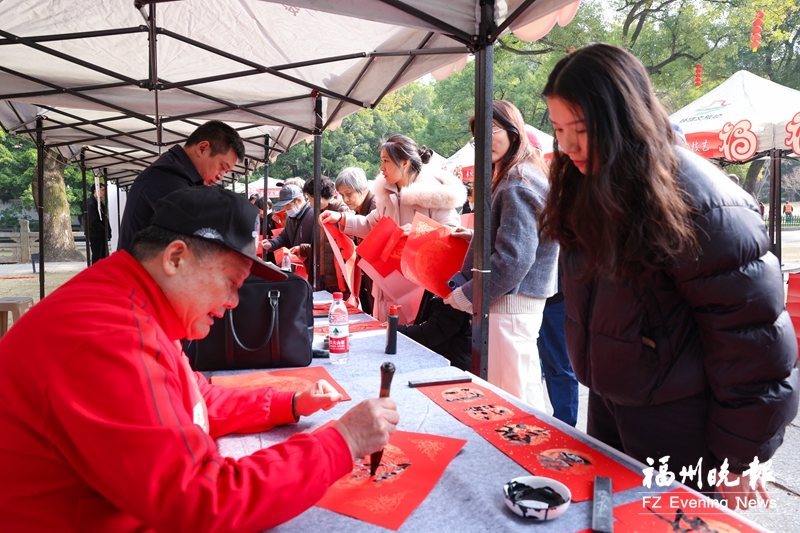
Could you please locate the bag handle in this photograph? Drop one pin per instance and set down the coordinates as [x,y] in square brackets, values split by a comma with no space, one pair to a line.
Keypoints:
[274,297]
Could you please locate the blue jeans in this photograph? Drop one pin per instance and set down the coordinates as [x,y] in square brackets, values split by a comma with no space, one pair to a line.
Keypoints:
[562,386]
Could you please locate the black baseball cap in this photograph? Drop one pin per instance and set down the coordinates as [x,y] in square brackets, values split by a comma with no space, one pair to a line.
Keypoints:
[287,194]
[217,215]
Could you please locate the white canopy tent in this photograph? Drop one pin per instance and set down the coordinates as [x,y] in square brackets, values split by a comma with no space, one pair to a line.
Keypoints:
[745,118]
[126,82]
[257,187]
[113,84]
[462,163]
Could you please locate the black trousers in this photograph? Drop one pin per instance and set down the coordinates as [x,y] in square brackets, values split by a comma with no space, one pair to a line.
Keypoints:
[99,247]
[675,429]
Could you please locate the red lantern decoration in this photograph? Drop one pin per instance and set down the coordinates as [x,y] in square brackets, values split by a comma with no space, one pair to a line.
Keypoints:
[755,39]
[698,75]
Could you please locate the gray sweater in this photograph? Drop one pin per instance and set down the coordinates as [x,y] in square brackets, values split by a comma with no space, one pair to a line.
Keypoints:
[523,266]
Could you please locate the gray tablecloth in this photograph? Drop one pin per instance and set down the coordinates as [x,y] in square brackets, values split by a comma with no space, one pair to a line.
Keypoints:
[468,497]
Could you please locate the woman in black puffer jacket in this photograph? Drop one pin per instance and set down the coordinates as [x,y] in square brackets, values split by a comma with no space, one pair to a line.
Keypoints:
[675,306]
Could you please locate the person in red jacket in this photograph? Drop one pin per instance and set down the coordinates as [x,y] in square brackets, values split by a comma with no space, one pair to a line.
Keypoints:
[106,428]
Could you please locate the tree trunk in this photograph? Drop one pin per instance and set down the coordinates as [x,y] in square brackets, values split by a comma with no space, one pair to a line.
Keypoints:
[58,242]
[752,175]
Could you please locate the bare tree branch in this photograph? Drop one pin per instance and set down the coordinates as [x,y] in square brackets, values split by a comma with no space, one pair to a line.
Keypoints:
[673,57]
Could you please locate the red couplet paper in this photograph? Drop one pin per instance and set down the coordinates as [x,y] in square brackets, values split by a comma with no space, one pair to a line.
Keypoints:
[432,255]
[281,221]
[411,465]
[468,220]
[354,328]
[383,246]
[540,448]
[288,380]
[677,510]
[344,253]
[321,310]
[300,269]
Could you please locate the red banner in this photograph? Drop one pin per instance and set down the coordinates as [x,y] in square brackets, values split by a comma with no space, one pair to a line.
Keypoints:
[372,325]
[538,447]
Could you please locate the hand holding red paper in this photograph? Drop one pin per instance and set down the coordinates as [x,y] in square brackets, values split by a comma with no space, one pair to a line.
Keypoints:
[330,217]
[432,255]
[463,233]
[367,426]
[320,395]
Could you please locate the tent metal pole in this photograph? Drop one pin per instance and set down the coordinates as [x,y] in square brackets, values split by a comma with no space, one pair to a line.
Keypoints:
[402,70]
[87,238]
[78,35]
[66,57]
[316,241]
[40,180]
[266,189]
[246,179]
[484,78]
[248,110]
[106,223]
[267,70]
[443,27]
[151,23]
[119,215]
[61,125]
[229,106]
[77,94]
[31,94]
[511,18]
[775,181]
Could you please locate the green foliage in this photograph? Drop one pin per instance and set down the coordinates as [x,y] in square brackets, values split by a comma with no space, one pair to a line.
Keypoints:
[17,164]
[17,161]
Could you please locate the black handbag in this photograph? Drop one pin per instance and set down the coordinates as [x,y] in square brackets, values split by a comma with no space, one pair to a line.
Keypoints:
[272,327]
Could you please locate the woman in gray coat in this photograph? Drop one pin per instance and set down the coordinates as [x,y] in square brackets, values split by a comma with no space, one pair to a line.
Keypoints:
[523,265]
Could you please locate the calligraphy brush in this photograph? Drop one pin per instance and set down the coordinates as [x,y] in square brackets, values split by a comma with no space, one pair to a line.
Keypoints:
[387,373]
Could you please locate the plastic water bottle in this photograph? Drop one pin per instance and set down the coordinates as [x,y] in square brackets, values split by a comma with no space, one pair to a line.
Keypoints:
[338,330]
[286,263]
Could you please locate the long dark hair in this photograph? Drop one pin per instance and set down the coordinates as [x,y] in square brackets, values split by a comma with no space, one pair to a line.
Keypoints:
[628,212]
[520,150]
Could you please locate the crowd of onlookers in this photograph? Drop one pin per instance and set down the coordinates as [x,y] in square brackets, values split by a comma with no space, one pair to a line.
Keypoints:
[667,299]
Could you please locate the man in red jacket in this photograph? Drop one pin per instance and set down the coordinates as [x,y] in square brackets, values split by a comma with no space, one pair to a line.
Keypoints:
[105,427]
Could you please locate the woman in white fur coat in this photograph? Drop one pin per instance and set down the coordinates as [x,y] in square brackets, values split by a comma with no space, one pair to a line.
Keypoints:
[403,188]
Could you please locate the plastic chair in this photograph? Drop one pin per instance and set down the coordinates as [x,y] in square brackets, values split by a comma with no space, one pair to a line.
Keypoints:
[18,305]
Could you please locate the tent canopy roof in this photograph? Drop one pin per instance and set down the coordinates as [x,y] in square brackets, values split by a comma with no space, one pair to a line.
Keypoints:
[743,116]
[129,82]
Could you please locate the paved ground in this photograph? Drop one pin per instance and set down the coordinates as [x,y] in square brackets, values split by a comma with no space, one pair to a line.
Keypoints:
[784,517]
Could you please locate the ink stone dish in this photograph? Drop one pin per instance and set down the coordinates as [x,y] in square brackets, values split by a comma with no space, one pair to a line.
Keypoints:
[536,497]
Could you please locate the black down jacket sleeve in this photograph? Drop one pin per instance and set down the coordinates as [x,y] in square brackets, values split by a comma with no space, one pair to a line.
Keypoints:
[735,289]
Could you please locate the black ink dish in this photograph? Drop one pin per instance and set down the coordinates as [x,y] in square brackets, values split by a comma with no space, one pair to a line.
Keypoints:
[536,497]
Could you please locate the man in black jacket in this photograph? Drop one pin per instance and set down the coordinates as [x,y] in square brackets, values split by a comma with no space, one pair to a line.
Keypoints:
[299,220]
[97,225]
[210,151]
